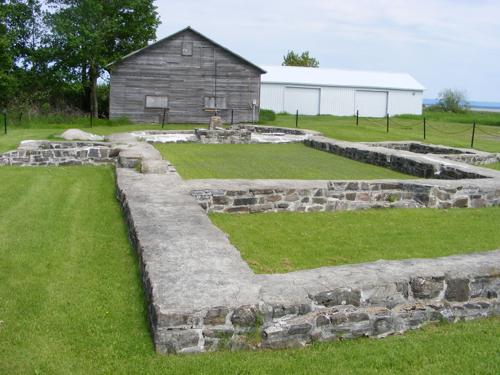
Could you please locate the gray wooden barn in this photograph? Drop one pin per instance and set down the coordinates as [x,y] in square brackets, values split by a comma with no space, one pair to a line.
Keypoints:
[188,76]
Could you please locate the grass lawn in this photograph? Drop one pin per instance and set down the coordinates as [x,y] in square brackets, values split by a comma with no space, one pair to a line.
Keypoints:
[439,129]
[492,166]
[274,161]
[71,300]
[283,242]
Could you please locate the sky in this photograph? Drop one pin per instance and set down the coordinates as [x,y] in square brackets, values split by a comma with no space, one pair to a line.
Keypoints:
[442,43]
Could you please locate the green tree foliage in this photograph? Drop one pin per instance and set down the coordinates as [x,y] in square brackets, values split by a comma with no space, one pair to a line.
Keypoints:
[5,57]
[19,31]
[452,100]
[295,59]
[86,35]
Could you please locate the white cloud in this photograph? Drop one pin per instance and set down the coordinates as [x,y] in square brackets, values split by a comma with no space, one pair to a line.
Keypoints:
[438,41]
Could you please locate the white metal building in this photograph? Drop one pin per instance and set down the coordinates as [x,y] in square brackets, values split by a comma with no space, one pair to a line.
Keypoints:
[314,91]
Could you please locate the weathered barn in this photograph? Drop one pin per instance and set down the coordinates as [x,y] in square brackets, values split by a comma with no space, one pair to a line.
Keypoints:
[187,76]
[314,91]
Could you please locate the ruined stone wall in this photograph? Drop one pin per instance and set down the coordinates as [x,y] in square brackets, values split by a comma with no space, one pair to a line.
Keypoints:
[344,195]
[406,162]
[44,153]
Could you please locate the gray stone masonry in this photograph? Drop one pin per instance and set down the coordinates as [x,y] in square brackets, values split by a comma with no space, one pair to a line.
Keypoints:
[223,136]
[45,153]
[415,164]
[465,155]
[202,295]
[250,196]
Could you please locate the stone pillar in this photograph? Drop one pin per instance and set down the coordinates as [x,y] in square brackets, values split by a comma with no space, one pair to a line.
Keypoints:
[215,122]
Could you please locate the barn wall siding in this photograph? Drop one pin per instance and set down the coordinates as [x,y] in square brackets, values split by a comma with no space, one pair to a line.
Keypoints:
[341,101]
[163,70]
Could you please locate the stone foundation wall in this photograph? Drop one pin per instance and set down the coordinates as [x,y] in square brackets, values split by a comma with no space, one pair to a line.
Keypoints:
[223,136]
[343,195]
[422,148]
[372,310]
[44,153]
[275,129]
[234,309]
[478,159]
[406,162]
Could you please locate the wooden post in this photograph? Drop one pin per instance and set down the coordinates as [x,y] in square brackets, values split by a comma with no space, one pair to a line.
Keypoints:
[163,118]
[473,133]
[387,119]
[297,119]
[424,127]
[357,117]
[232,116]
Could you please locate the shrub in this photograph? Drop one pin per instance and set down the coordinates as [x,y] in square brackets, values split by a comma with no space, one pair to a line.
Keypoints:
[266,115]
[452,100]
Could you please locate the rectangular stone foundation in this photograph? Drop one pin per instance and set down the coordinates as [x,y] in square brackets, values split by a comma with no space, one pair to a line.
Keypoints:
[202,296]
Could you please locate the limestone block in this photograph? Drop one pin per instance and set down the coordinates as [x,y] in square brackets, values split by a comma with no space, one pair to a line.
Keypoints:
[80,135]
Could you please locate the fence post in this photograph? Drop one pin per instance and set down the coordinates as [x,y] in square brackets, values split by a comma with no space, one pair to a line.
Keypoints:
[424,127]
[297,119]
[163,118]
[387,120]
[5,121]
[357,117]
[473,132]
[232,116]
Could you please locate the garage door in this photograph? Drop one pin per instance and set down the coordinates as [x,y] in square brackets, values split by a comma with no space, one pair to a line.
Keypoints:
[371,103]
[305,100]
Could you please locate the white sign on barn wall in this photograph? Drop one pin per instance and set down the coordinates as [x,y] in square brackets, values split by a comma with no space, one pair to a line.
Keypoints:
[155,101]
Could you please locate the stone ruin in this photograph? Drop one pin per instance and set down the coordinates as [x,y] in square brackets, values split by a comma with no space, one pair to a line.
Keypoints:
[202,296]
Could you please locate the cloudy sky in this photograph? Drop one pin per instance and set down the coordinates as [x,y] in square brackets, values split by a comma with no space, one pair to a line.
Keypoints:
[442,43]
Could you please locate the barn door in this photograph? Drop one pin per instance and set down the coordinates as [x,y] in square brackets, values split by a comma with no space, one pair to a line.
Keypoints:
[371,103]
[306,100]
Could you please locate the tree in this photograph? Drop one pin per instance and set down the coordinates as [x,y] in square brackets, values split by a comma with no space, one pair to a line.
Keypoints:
[5,57]
[88,34]
[294,59]
[19,41]
[453,100]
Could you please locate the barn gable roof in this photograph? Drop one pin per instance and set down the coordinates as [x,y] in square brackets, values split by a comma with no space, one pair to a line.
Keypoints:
[189,28]
[340,78]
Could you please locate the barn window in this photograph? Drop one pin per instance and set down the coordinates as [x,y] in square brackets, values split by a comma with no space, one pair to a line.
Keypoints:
[187,48]
[156,101]
[210,102]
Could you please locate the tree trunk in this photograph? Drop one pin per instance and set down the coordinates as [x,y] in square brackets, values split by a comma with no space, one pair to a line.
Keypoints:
[85,104]
[93,89]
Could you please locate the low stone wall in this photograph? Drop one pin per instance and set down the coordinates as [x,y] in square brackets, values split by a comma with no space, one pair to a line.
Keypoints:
[276,129]
[347,321]
[403,161]
[45,153]
[202,296]
[223,136]
[478,159]
[467,155]
[422,148]
[275,196]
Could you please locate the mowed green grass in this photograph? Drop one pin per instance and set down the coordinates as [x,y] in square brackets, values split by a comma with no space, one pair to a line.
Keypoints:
[439,130]
[288,241]
[267,161]
[71,300]
[492,166]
